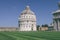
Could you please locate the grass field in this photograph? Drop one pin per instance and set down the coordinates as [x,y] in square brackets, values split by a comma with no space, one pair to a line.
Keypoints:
[29,35]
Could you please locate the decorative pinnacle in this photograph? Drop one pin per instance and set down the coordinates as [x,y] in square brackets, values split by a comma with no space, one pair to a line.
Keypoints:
[27,7]
[59,5]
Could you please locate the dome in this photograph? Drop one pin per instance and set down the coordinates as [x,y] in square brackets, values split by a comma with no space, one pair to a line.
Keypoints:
[27,14]
[27,11]
[57,11]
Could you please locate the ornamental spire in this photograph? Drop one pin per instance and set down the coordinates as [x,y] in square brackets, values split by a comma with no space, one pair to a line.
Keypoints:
[59,5]
[27,7]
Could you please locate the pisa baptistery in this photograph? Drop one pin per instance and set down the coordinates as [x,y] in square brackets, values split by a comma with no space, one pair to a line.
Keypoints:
[27,20]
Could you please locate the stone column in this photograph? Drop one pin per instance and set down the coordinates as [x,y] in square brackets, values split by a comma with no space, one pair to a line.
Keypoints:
[58,25]
[55,25]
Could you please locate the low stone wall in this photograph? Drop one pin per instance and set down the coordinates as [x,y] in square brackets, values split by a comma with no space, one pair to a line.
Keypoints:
[8,29]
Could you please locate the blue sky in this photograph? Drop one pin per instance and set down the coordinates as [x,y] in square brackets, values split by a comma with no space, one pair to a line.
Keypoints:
[11,9]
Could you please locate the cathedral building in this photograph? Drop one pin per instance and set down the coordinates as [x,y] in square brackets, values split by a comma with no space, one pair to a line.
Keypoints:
[27,20]
[56,19]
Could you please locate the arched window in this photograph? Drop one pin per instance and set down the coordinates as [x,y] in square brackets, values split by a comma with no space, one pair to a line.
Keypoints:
[32,27]
[19,25]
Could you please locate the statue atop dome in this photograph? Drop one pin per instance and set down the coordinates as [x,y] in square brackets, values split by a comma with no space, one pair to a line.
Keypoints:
[27,7]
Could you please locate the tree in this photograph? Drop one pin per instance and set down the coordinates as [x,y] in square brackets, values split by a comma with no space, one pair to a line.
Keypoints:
[38,27]
[46,25]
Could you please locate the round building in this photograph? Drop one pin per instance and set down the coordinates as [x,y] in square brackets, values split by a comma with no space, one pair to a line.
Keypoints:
[27,20]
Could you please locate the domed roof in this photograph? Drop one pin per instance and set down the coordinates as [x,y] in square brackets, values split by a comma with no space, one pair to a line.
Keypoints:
[27,11]
[57,11]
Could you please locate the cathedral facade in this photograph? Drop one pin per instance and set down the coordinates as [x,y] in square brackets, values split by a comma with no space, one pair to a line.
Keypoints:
[27,20]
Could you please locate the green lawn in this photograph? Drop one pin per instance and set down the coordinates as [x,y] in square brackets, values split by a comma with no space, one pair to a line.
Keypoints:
[29,35]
